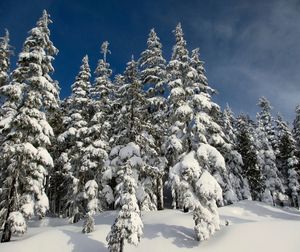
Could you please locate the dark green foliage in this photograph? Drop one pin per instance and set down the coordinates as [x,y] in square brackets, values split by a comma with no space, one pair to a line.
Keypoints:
[246,148]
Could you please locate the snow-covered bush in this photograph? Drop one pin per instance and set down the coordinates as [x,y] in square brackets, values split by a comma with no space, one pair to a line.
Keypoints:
[128,225]
[198,191]
[17,223]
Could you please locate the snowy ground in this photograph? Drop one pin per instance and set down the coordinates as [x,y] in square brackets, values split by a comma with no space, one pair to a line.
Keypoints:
[253,226]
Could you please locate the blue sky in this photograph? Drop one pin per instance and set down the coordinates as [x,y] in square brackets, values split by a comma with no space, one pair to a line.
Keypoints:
[251,48]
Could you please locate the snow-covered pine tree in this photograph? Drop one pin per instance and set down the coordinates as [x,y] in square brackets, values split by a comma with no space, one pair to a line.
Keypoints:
[233,159]
[99,128]
[190,110]
[199,191]
[179,112]
[287,161]
[8,95]
[207,129]
[193,160]
[132,103]
[72,140]
[55,184]
[153,66]
[102,90]
[133,128]
[154,79]
[266,121]
[265,134]
[201,82]
[274,190]
[296,132]
[91,196]
[296,127]
[128,225]
[5,53]
[5,107]
[247,148]
[24,151]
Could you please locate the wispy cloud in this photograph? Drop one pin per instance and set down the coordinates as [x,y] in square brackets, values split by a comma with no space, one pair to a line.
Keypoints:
[251,49]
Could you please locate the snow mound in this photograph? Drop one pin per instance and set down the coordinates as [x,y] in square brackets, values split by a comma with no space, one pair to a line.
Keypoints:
[253,226]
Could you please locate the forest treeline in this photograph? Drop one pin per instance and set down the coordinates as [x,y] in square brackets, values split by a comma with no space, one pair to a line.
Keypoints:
[120,141]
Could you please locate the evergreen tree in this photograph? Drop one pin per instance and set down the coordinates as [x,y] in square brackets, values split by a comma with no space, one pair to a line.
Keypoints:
[233,159]
[296,132]
[179,111]
[25,148]
[132,127]
[6,109]
[296,127]
[154,78]
[153,66]
[192,157]
[96,144]
[55,189]
[197,190]
[5,53]
[206,127]
[191,114]
[274,190]
[287,161]
[266,142]
[75,173]
[247,148]
[91,195]
[132,103]
[201,83]
[266,121]
[102,90]
[128,225]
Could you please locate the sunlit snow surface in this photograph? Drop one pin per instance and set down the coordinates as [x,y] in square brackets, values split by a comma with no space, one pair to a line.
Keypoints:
[253,226]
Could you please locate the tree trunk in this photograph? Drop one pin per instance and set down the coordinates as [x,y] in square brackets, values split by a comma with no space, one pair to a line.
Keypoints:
[160,194]
[122,245]
[6,235]
[273,200]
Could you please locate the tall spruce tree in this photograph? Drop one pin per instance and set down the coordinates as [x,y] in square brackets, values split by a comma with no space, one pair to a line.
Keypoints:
[99,132]
[266,143]
[153,66]
[296,126]
[206,124]
[91,196]
[287,161]
[296,132]
[128,225]
[6,109]
[179,112]
[55,188]
[132,127]
[266,121]
[25,147]
[194,162]
[233,159]
[75,173]
[154,78]
[5,53]
[247,148]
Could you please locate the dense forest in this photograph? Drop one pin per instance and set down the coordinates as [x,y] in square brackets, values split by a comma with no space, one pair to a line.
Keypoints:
[148,138]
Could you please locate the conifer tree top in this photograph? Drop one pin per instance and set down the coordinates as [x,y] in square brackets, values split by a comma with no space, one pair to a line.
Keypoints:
[5,52]
[103,68]
[179,50]
[264,103]
[81,86]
